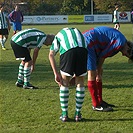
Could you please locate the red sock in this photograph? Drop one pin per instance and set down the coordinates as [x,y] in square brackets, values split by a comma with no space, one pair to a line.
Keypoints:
[99,91]
[93,92]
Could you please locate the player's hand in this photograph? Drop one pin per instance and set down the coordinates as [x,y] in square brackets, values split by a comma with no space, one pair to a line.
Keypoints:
[32,68]
[99,78]
[58,79]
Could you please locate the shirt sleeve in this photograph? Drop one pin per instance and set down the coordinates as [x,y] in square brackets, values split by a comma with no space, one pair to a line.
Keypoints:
[10,16]
[55,45]
[40,41]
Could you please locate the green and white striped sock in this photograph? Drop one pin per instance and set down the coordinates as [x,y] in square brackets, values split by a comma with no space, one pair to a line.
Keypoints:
[27,72]
[21,73]
[80,94]
[64,96]
[2,42]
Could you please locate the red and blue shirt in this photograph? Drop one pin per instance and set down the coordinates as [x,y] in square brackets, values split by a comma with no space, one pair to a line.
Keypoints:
[102,42]
[16,16]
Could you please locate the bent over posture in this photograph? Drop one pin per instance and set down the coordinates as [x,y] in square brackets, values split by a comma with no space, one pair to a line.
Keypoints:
[73,61]
[21,44]
[103,42]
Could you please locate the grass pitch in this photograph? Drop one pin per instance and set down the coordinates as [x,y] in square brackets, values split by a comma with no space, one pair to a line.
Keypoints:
[38,111]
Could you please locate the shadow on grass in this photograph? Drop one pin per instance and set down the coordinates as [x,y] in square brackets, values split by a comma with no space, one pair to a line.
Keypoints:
[43,72]
[116,119]
[124,108]
[100,120]
[9,71]
[117,86]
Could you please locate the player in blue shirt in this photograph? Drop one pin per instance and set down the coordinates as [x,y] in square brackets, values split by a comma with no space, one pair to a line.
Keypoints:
[16,17]
[103,42]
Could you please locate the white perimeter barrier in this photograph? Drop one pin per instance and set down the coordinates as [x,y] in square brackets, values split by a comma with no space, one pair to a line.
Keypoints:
[63,19]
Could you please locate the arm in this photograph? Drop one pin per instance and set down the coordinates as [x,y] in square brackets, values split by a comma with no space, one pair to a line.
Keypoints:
[22,17]
[58,78]
[11,16]
[35,55]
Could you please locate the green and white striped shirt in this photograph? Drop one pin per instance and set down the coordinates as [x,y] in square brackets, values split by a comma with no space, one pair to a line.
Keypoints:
[67,39]
[3,21]
[30,38]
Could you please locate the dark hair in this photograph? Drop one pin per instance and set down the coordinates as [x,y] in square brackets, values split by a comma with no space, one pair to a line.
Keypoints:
[116,6]
[130,44]
[130,60]
[1,5]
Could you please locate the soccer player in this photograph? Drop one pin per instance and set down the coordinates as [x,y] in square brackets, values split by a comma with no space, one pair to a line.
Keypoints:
[21,44]
[16,17]
[103,42]
[73,60]
[4,27]
[115,19]
[132,16]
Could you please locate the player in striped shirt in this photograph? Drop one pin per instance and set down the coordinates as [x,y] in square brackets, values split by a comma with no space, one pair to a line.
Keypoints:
[4,27]
[103,42]
[115,19]
[73,61]
[21,44]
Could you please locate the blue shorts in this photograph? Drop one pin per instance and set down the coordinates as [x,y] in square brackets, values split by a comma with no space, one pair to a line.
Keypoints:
[92,59]
[17,26]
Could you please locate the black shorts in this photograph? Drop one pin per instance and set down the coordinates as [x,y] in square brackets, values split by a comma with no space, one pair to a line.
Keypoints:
[4,32]
[74,61]
[116,23]
[21,52]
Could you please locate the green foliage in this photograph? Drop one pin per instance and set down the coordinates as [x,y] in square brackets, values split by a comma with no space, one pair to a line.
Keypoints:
[38,111]
[72,7]
[42,7]
[107,6]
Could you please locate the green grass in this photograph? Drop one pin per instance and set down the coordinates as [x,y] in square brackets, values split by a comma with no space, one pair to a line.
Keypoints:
[38,111]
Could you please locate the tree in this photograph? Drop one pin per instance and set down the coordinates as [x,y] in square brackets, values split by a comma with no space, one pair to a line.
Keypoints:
[107,6]
[74,6]
[44,7]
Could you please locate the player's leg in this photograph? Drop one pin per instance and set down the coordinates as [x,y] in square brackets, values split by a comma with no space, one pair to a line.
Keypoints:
[27,73]
[91,67]
[27,70]
[79,97]
[19,54]
[14,25]
[20,80]
[5,38]
[115,26]
[92,87]
[99,92]
[19,26]
[80,71]
[2,42]
[64,97]
[118,26]
[66,69]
